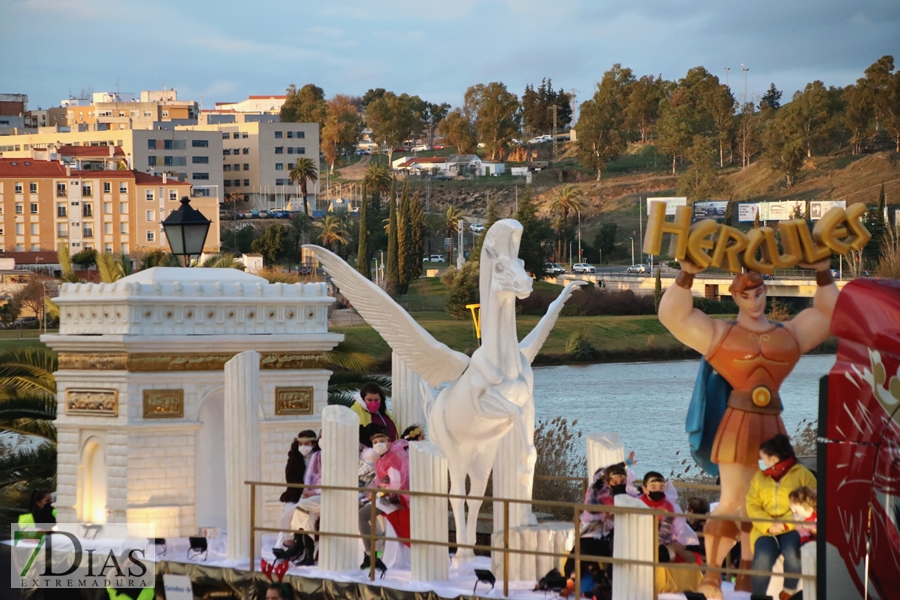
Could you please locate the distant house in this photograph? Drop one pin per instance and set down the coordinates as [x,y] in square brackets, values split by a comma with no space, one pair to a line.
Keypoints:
[472,164]
[420,164]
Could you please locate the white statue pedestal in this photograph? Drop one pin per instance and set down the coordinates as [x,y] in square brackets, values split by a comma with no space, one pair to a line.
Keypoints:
[428,516]
[340,467]
[635,539]
[545,537]
[603,449]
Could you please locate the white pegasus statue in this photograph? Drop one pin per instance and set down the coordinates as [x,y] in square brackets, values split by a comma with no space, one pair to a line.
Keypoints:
[492,392]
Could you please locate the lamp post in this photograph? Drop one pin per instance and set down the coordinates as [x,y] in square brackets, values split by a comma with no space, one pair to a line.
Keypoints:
[186,230]
[727,69]
[580,258]
[632,251]
[745,81]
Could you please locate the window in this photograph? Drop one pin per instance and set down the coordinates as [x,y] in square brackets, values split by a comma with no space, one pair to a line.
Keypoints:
[61,189]
[107,187]
[123,228]
[151,144]
[20,229]
[300,150]
[20,248]
[62,230]
[149,215]
[88,230]
[107,208]
[246,150]
[20,208]
[226,152]
[199,143]
[18,187]
[227,183]
[107,228]
[151,160]
[123,188]
[203,176]
[279,149]
[225,136]
[245,135]
[282,182]
[290,134]
[149,195]
[290,150]
[174,144]
[277,135]
[173,195]
[87,190]
[123,208]
[151,236]
[300,135]
[200,160]
[35,247]
[1,231]
[34,208]
[61,210]
[237,167]
[226,167]
[246,182]
[174,161]
[279,166]
[236,135]
[87,209]
[35,230]
[123,248]
[246,166]
[107,248]
[165,113]
[32,187]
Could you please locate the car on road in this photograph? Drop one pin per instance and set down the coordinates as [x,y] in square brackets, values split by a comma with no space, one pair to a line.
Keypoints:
[442,177]
[836,273]
[254,214]
[638,269]
[553,269]
[421,148]
[435,258]
[437,147]
[476,227]
[26,322]
[583,268]
[363,152]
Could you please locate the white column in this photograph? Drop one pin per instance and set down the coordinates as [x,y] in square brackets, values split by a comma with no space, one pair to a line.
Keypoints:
[603,450]
[635,539]
[428,516]
[406,395]
[340,467]
[511,453]
[242,448]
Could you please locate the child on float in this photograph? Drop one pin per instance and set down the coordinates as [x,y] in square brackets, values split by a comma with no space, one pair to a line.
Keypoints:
[803,507]
[672,530]
[304,466]
[370,406]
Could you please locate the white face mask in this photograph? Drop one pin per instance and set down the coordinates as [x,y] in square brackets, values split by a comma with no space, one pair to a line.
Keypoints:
[762,465]
[381,448]
[305,450]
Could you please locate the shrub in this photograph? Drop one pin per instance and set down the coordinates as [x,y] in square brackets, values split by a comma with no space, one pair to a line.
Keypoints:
[559,452]
[578,347]
[464,290]
[448,276]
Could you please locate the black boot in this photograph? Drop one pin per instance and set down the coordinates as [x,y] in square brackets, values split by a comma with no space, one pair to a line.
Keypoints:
[309,551]
[292,551]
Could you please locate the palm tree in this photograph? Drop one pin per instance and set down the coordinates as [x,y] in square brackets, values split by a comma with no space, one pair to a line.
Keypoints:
[333,231]
[222,260]
[304,172]
[451,223]
[567,198]
[377,178]
[350,371]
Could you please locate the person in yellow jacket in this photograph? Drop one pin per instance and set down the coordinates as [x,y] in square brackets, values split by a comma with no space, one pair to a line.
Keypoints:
[370,406]
[768,498]
[40,510]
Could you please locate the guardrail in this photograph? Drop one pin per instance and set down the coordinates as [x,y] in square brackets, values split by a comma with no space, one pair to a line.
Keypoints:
[576,508]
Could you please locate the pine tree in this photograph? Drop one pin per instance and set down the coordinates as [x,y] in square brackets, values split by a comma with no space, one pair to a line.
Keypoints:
[657,291]
[403,257]
[532,249]
[392,276]
[363,264]
[417,235]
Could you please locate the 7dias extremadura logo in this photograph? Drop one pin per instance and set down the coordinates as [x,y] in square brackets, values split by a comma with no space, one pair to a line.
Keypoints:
[83,555]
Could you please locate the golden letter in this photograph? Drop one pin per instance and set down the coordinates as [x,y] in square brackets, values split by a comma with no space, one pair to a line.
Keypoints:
[812,252]
[730,251]
[657,226]
[699,241]
[756,238]
[790,241]
[830,230]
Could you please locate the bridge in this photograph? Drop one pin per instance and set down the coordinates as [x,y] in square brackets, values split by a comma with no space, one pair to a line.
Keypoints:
[784,284]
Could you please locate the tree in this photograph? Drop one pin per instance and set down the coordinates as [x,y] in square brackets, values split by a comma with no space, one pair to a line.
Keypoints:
[784,144]
[685,112]
[393,272]
[600,125]
[811,111]
[884,89]
[605,240]
[533,248]
[363,261]
[858,114]
[86,259]
[464,289]
[31,297]
[748,134]
[657,290]
[306,105]
[771,99]
[451,226]
[459,131]
[538,106]
[273,243]
[568,198]
[642,110]
[700,181]
[497,116]
[371,95]
[719,103]
[392,119]
[415,238]
[343,126]
[332,232]
[304,172]
[432,117]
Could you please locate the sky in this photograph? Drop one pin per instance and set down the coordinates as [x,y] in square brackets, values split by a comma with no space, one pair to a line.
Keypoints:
[225,51]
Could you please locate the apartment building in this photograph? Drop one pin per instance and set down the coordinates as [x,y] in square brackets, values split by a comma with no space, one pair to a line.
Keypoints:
[45,203]
[189,155]
[253,104]
[258,155]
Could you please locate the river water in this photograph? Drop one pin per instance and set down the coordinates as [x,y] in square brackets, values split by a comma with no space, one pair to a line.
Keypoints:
[646,403]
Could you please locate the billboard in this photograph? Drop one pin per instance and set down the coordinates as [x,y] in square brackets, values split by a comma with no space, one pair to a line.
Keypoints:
[671,204]
[710,209]
[818,208]
[747,212]
[781,211]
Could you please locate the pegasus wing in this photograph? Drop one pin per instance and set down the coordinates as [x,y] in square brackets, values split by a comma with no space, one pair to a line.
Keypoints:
[531,345]
[433,361]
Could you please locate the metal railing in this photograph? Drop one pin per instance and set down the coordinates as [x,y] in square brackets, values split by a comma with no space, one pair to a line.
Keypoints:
[577,508]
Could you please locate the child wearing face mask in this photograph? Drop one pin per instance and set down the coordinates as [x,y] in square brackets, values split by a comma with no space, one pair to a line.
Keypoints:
[370,407]
[654,496]
[392,475]
[303,465]
[803,507]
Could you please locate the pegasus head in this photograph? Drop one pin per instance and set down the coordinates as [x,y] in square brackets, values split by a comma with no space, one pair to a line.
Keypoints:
[500,254]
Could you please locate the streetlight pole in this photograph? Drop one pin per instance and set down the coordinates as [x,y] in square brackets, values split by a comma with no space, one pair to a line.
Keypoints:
[580,259]
[632,251]
[726,75]
[745,81]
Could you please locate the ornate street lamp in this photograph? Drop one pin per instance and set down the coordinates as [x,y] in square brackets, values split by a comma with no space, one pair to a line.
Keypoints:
[186,230]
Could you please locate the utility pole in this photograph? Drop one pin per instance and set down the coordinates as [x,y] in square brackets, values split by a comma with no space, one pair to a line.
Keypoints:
[745,81]
[428,195]
[555,143]
[726,75]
